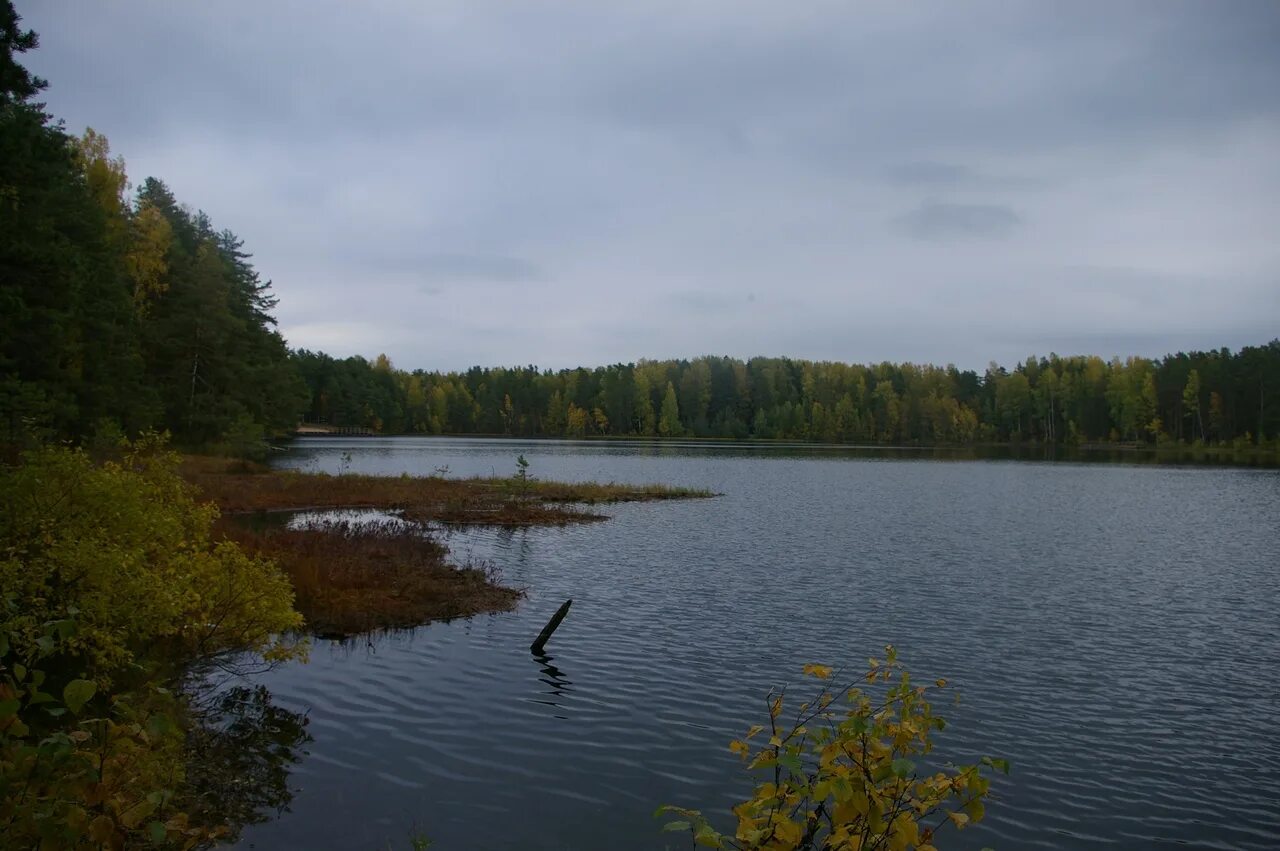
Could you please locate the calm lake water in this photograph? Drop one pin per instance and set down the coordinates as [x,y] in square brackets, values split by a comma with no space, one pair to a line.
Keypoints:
[1114,631]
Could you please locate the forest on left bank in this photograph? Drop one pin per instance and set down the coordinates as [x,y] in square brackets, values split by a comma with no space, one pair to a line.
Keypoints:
[121,310]
[118,599]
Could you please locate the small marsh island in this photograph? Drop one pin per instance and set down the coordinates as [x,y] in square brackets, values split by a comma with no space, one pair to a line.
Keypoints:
[383,569]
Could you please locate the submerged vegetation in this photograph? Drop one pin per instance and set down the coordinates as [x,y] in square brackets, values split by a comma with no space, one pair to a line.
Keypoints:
[850,768]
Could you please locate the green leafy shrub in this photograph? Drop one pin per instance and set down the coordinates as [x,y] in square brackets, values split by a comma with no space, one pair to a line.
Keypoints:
[128,546]
[83,768]
[111,586]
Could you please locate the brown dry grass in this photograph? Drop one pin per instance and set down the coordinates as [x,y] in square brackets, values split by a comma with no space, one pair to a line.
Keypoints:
[588,492]
[354,578]
[351,578]
[239,487]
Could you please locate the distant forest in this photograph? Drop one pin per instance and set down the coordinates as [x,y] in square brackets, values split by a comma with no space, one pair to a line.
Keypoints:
[124,310]
[1213,397]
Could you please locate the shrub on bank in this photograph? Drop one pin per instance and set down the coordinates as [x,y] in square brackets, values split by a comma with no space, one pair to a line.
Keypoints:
[112,588]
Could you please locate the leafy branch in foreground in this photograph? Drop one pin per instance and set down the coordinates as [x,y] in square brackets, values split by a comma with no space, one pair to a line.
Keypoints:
[841,773]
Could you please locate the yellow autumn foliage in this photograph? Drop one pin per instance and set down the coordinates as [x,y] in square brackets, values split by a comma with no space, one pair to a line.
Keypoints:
[845,771]
[127,547]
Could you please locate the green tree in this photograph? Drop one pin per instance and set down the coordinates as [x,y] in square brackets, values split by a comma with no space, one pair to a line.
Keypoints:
[68,351]
[646,423]
[669,419]
[1013,401]
[17,84]
[1216,416]
[888,412]
[209,341]
[1150,403]
[1191,402]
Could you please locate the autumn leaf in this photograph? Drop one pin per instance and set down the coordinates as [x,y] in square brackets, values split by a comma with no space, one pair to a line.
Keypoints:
[822,672]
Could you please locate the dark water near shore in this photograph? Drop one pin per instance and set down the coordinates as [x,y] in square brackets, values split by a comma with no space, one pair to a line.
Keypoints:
[1114,631]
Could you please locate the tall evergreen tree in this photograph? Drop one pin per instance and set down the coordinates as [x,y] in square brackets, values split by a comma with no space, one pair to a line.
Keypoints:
[68,354]
[135,314]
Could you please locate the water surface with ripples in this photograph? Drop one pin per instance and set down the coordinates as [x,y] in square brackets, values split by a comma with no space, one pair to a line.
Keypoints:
[1112,629]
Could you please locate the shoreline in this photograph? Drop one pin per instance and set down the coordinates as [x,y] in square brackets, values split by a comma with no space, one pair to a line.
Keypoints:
[352,578]
[1088,446]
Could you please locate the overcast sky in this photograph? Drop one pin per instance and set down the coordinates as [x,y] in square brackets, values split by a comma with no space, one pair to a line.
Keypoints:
[584,183]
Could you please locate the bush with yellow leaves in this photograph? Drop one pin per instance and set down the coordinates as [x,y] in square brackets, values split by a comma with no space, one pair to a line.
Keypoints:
[843,772]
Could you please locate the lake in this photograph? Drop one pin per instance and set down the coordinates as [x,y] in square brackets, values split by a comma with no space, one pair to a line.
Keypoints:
[1112,630]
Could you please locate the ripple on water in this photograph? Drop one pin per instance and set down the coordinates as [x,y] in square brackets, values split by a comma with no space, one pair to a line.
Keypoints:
[1111,630]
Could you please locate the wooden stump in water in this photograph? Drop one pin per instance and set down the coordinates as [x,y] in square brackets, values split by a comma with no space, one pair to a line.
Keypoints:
[536,646]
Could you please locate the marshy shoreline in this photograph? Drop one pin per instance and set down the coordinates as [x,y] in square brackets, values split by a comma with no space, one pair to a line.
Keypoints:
[350,578]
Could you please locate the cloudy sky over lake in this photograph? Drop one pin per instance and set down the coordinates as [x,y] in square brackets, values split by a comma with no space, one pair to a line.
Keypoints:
[583,183]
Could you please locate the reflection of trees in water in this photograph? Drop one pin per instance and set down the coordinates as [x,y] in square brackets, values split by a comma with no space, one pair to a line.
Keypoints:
[240,747]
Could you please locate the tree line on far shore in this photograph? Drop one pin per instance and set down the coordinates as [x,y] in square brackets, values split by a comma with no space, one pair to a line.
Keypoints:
[1210,397]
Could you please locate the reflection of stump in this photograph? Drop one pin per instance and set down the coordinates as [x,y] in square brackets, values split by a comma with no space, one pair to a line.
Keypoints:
[536,646]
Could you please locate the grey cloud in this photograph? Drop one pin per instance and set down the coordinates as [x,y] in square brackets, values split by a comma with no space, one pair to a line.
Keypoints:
[943,221]
[435,271]
[696,301]
[931,173]
[1122,344]
[404,150]
[450,268]
[936,175]
[844,79]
